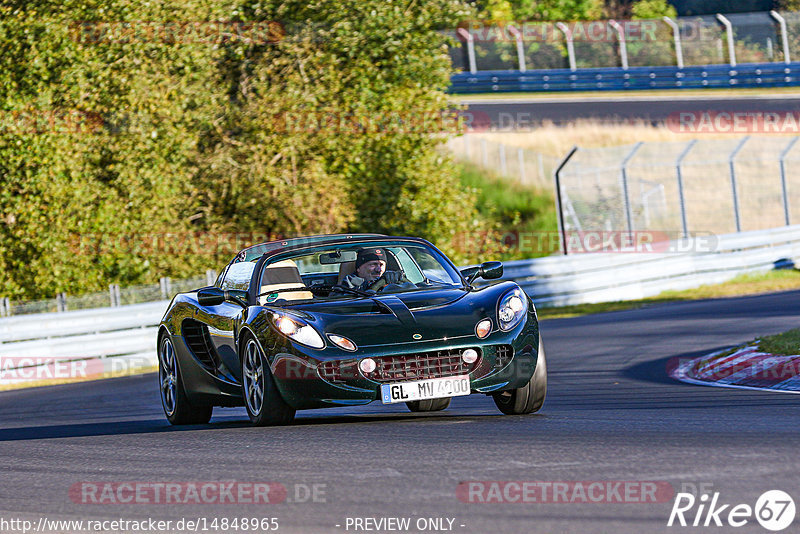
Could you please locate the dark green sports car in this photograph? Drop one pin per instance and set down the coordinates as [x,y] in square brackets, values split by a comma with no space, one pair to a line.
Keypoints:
[345,320]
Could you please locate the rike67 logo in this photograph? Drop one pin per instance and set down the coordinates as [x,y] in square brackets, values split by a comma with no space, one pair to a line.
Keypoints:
[774,510]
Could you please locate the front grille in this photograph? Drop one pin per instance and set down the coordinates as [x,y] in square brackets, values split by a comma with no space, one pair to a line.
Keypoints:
[503,355]
[338,371]
[420,366]
[434,364]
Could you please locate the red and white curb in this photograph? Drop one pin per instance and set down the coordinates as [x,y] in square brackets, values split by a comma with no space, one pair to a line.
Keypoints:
[745,368]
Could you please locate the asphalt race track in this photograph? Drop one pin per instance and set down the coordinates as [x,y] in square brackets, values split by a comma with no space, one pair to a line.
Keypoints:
[524,112]
[611,415]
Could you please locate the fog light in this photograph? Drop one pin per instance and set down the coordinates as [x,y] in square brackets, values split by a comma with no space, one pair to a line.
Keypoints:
[469,356]
[367,365]
[483,328]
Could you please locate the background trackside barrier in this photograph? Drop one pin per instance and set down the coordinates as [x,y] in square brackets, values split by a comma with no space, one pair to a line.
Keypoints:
[634,78]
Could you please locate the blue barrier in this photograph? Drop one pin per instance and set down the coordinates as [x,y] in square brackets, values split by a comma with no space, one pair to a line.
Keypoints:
[634,78]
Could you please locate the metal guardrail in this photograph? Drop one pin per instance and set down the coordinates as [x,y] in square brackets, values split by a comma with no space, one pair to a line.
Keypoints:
[114,297]
[126,335]
[633,78]
[608,277]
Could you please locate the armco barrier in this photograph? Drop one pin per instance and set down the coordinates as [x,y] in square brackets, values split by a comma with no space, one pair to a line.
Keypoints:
[128,332]
[606,277]
[633,78]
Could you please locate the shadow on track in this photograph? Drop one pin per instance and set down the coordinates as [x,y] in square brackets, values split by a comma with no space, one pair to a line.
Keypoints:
[157,426]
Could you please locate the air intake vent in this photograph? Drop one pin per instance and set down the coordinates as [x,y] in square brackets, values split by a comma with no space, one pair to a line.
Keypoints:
[199,342]
[503,355]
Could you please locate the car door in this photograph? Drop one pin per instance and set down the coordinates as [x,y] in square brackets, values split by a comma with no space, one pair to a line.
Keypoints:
[220,321]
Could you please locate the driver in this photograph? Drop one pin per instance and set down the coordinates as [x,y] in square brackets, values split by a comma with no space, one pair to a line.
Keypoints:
[371,271]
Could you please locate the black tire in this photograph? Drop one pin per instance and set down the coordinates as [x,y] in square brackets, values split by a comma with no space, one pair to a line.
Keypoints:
[263,401]
[177,408]
[530,397]
[429,405]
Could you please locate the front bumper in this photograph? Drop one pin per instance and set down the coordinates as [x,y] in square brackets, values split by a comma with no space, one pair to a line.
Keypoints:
[296,372]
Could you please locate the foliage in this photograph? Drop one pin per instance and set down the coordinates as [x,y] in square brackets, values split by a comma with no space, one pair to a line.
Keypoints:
[557,10]
[522,220]
[652,9]
[127,159]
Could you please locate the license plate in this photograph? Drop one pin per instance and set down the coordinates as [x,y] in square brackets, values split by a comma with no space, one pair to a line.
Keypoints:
[432,388]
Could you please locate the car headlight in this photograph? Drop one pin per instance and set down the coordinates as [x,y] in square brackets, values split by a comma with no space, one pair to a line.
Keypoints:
[297,330]
[512,309]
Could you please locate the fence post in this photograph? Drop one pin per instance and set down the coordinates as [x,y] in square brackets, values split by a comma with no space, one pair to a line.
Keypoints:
[484,154]
[166,286]
[623,47]
[784,34]
[676,34]
[503,164]
[541,166]
[732,163]
[783,178]
[570,45]
[681,197]
[521,157]
[5,307]
[211,276]
[61,302]
[113,291]
[625,197]
[729,34]
[520,46]
[473,68]
[562,232]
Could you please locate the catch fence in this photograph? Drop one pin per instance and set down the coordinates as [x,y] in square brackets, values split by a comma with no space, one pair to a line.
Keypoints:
[683,189]
[758,37]
[514,163]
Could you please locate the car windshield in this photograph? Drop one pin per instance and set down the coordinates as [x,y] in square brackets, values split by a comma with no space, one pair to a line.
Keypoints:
[340,272]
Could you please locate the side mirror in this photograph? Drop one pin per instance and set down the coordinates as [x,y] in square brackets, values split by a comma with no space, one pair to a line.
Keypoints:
[491,270]
[210,296]
[469,272]
[214,296]
[488,270]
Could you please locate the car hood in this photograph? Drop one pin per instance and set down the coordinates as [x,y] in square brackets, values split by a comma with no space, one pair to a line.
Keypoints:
[407,317]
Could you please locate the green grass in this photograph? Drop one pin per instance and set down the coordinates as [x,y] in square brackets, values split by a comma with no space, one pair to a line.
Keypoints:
[525,216]
[785,344]
[747,284]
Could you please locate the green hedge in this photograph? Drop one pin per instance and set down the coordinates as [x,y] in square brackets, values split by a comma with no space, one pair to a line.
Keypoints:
[128,155]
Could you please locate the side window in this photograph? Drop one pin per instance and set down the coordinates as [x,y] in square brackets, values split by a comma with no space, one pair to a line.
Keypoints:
[239,275]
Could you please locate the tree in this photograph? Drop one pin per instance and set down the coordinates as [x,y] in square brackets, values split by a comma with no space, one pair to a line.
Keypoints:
[123,148]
